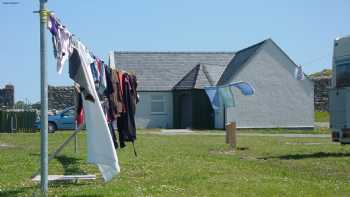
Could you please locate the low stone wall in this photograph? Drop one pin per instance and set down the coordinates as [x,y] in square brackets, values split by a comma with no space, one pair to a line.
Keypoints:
[322,86]
[60,97]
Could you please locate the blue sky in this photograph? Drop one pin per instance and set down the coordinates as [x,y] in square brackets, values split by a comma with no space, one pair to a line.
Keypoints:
[305,30]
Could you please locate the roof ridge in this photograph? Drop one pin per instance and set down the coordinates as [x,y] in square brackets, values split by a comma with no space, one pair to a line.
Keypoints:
[174,52]
[240,59]
[252,46]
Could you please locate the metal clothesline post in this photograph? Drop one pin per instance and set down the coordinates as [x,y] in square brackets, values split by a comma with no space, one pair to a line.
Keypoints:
[44,158]
[44,99]
[60,148]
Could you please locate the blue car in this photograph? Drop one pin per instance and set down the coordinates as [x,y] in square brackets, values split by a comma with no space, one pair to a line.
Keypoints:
[63,120]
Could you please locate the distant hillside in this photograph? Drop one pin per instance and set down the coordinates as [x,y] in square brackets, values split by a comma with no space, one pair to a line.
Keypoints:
[323,73]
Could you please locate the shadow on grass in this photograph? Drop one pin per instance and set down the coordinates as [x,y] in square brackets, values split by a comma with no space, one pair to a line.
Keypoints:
[308,156]
[70,165]
[242,148]
[84,195]
[35,190]
[22,191]
[12,192]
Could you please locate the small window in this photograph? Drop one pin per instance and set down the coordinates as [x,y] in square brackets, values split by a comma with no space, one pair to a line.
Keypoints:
[70,112]
[157,104]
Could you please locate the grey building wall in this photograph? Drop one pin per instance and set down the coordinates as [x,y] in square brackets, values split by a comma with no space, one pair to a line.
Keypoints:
[145,118]
[280,101]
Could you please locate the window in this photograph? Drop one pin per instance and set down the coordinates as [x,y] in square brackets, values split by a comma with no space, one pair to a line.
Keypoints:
[343,73]
[157,104]
[70,112]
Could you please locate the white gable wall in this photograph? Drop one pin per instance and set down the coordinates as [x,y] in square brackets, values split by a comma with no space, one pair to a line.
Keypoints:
[280,101]
[145,118]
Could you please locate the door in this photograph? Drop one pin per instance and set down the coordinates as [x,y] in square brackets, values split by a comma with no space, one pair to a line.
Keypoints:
[186,111]
[203,114]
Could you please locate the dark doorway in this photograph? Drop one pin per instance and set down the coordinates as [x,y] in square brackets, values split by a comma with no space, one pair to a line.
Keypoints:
[186,111]
[192,109]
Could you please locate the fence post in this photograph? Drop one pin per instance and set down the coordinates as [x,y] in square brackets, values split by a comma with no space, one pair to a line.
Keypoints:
[231,134]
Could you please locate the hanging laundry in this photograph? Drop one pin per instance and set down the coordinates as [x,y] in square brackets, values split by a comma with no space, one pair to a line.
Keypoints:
[105,107]
[105,96]
[79,111]
[80,115]
[94,72]
[98,64]
[213,95]
[53,25]
[103,82]
[61,38]
[227,96]
[115,96]
[96,68]
[126,121]
[109,91]
[225,93]
[79,67]
[133,83]
[114,137]
[101,149]
[99,137]
[245,88]
[298,73]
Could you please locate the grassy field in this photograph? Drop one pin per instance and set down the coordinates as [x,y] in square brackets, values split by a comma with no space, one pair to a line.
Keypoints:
[286,131]
[321,116]
[186,165]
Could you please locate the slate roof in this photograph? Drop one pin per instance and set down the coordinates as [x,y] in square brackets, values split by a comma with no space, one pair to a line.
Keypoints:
[200,76]
[189,80]
[164,71]
[161,71]
[241,57]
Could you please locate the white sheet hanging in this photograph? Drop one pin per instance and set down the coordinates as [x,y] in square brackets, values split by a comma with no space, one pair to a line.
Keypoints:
[100,145]
[101,150]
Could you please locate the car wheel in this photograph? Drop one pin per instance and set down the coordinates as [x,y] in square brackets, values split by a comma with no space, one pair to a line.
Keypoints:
[52,127]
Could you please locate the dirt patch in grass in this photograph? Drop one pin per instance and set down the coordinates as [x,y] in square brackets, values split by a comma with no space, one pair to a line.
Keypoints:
[223,152]
[228,151]
[304,143]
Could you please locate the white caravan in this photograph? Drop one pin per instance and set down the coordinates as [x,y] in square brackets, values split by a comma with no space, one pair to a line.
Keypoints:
[339,94]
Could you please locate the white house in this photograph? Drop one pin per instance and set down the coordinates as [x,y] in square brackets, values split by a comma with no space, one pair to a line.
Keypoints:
[172,96]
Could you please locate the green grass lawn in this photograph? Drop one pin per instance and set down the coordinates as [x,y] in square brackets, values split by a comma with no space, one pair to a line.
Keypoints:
[321,116]
[186,165]
[286,131]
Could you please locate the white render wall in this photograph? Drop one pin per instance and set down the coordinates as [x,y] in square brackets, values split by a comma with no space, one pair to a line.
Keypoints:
[280,101]
[144,118]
